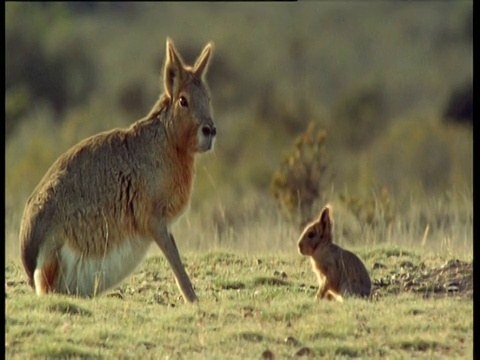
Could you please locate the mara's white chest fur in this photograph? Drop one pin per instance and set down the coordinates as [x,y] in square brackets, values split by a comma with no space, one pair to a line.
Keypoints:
[86,276]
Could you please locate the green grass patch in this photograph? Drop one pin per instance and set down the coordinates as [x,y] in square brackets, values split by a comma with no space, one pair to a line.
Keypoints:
[64,351]
[258,311]
[229,285]
[65,307]
[270,281]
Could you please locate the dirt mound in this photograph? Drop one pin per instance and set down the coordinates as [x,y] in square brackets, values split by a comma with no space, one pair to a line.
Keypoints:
[455,277]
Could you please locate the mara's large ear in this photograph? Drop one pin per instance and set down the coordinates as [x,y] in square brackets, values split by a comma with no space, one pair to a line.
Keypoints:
[325,221]
[201,64]
[174,69]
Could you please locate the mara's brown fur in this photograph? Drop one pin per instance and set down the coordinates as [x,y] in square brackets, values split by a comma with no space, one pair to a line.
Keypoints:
[339,272]
[93,216]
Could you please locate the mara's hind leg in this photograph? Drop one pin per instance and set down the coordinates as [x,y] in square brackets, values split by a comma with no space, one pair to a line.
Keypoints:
[332,295]
[45,277]
[360,289]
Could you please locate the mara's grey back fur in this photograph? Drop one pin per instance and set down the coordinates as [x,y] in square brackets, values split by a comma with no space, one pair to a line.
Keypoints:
[93,216]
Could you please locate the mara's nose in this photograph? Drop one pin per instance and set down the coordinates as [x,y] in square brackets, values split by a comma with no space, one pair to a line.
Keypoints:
[209,131]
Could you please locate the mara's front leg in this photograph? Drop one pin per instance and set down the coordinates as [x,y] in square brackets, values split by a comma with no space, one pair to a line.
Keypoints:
[322,286]
[320,293]
[322,290]
[327,281]
[166,242]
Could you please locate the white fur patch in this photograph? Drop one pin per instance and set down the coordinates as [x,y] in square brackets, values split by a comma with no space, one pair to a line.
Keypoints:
[37,279]
[87,277]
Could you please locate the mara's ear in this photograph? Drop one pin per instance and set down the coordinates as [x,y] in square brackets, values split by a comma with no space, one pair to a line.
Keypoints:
[325,221]
[174,69]
[201,64]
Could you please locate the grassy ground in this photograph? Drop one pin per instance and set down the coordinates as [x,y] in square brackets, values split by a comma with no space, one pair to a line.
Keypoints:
[252,307]
[257,295]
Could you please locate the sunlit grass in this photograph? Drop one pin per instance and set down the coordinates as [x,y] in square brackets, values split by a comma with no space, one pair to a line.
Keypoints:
[248,304]
[257,293]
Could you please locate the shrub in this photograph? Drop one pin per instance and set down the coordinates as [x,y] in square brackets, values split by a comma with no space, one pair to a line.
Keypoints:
[419,151]
[459,107]
[300,180]
[372,210]
[132,99]
[46,61]
[361,115]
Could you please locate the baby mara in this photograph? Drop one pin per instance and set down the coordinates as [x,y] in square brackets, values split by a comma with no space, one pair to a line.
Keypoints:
[339,271]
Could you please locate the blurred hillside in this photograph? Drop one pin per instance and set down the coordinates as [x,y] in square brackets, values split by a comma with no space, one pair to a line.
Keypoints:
[376,76]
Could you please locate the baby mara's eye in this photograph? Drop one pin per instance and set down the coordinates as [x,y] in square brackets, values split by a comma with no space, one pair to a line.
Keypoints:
[183,102]
[311,234]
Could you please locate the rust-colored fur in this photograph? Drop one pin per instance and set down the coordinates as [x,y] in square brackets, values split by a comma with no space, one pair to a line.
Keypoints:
[339,271]
[93,216]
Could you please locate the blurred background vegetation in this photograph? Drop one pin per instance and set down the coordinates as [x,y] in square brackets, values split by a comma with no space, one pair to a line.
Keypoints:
[367,104]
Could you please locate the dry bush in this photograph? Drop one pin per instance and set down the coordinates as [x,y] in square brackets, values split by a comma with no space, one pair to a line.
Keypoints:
[302,176]
[371,210]
[42,66]
[132,99]
[459,108]
[361,114]
[422,151]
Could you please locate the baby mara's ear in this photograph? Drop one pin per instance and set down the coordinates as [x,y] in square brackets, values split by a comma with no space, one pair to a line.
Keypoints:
[324,224]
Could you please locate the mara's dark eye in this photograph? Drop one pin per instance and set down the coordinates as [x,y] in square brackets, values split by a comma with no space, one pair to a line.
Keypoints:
[311,234]
[183,102]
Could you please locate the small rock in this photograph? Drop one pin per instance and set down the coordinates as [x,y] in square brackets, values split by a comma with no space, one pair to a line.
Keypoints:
[290,340]
[304,351]
[451,263]
[158,299]
[405,264]
[452,289]
[268,355]
[116,294]
[247,314]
